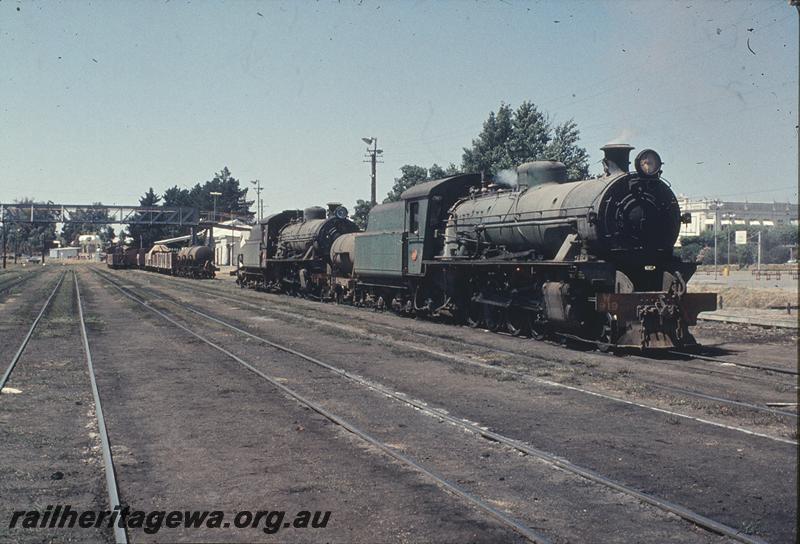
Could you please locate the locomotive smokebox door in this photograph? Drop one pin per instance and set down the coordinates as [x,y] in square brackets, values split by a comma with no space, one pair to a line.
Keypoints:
[416,225]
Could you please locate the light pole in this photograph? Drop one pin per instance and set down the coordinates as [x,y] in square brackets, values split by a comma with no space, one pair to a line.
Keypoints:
[372,155]
[210,240]
[758,266]
[729,217]
[257,183]
[215,194]
[716,206]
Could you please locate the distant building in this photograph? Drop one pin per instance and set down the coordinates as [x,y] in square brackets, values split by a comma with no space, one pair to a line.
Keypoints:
[228,240]
[90,245]
[64,252]
[736,215]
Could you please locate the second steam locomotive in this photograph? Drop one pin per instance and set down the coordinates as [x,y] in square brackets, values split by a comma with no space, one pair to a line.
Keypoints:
[592,259]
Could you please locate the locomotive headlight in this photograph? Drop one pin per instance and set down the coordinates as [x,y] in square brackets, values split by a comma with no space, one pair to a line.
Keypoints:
[648,163]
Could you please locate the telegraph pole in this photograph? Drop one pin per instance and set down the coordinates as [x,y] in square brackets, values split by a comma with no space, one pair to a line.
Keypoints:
[716,219]
[259,211]
[372,155]
[759,251]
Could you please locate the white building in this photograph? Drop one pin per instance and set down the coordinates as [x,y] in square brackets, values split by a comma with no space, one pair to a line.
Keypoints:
[738,215]
[90,245]
[227,241]
[64,252]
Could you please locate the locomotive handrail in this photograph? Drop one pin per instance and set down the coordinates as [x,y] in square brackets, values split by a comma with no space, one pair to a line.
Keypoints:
[504,216]
[530,222]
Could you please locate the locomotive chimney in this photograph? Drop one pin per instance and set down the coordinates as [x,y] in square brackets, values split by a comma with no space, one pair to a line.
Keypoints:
[617,158]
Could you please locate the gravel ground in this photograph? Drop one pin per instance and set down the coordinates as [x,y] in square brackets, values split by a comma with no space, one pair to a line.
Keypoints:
[192,429]
[48,430]
[744,481]
[634,378]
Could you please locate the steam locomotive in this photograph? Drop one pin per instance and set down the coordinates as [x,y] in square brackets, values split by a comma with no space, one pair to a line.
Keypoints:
[592,258]
[290,251]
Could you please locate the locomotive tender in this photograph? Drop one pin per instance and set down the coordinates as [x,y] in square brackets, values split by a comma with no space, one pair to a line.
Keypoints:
[591,258]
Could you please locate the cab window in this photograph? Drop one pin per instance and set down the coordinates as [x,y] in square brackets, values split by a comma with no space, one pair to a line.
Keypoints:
[413,217]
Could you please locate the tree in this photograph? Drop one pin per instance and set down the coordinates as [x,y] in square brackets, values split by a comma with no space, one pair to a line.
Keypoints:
[177,197]
[411,174]
[144,235]
[233,198]
[85,221]
[564,147]
[107,235]
[31,238]
[437,172]
[361,213]
[490,151]
[512,137]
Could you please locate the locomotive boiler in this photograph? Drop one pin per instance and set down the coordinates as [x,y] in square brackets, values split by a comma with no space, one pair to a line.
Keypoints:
[591,258]
[294,250]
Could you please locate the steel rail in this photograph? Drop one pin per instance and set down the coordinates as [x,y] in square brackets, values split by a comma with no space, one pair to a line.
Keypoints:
[662,504]
[503,518]
[120,535]
[17,280]
[519,375]
[28,336]
[735,363]
[748,405]
[531,357]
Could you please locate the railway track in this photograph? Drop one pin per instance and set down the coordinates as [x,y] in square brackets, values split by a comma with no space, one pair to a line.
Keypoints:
[21,349]
[120,535]
[112,489]
[719,360]
[473,362]
[678,359]
[431,474]
[475,429]
[9,280]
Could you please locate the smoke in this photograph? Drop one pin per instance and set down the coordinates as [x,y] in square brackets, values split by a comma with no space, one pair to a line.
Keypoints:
[506,177]
[625,136]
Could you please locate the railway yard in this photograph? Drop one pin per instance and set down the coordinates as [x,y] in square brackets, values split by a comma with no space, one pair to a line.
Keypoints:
[178,394]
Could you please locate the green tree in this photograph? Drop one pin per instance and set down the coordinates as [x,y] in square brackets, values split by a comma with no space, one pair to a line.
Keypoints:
[490,150]
[30,238]
[143,234]
[361,213]
[564,147]
[411,174]
[107,235]
[88,220]
[233,198]
[177,197]
[512,137]
[437,172]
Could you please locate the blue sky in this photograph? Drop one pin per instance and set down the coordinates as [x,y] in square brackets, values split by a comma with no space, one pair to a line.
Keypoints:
[101,100]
